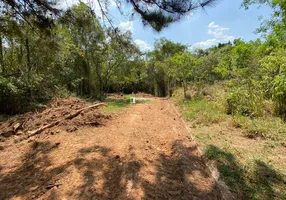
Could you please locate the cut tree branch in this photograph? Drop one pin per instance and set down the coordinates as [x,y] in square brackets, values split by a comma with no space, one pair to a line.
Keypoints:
[42,128]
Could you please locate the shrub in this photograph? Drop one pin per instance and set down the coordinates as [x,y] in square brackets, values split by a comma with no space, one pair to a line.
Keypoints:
[12,96]
[246,101]
[20,94]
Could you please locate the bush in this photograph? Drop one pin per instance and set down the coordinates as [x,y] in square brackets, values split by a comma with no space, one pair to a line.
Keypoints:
[273,73]
[245,101]
[12,96]
[280,95]
[20,94]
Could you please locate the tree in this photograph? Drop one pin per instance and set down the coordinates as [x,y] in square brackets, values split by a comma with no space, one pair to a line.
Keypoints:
[161,14]
[273,74]
[277,22]
[118,51]
[158,66]
[88,38]
[182,69]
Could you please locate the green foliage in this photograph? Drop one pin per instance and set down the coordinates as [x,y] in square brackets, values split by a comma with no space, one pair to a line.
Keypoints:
[273,72]
[207,106]
[160,16]
[202,112]
[245,100]
[277,22]
[17,94]
[252,169]
[158,66]
[77,56]
[116,105]
[182,67]
[224,67]
[11,96]
[253,180]
[266,127]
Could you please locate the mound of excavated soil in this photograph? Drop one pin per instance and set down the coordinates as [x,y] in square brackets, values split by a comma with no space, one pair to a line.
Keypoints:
[57,109]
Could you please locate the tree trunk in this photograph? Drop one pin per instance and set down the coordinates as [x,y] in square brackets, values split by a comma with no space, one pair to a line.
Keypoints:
[100,81]
[185,89]
[28,54]
[2,57]
[88,75]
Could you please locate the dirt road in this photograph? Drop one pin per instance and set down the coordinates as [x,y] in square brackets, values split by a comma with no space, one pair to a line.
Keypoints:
[145,152]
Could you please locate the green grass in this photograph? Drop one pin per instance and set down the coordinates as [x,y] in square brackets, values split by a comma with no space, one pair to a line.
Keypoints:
[256,179]
[269,127]
[203,112]
[116,105]
[252,168]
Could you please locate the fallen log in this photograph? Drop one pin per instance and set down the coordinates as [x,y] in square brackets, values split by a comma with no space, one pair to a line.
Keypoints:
[71,116]
[42,128]
[83,109]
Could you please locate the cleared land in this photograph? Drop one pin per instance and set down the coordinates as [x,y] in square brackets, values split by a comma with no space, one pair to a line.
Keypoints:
[141,152]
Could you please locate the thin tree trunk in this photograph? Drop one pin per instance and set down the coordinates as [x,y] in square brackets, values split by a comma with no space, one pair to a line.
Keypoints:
[100,81]
[2,57]
[28,54]
[28,63]
[185,90]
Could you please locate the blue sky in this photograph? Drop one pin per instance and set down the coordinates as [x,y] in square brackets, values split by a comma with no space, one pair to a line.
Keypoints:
[202,29]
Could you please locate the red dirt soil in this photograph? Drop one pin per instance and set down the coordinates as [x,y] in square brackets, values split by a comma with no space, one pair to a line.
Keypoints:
[18,126]
[144,152]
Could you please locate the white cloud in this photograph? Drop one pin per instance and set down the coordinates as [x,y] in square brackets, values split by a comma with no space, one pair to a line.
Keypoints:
[219,32]
[205,44]
[143,46]
[213,25]
[219,35]
[126,26]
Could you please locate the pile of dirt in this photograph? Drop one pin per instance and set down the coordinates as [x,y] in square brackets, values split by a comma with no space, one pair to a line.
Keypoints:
[57,109]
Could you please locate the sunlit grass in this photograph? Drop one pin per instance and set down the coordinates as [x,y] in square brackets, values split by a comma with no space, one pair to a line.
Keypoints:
[200,111]
[269,127]
[252,168]
[116,105]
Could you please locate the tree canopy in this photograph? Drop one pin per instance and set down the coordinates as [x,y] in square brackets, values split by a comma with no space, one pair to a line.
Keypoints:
[156,13]
[80,56]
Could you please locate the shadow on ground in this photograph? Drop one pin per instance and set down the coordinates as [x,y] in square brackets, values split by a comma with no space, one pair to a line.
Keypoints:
[260,181]
[181,175]
[31,179]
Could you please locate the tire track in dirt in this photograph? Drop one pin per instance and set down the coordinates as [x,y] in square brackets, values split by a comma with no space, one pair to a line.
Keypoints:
[143,153]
